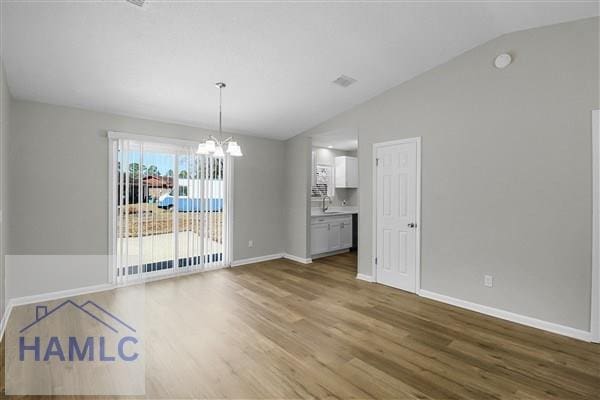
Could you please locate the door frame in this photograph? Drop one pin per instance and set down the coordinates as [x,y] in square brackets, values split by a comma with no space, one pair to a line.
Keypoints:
[595,295]
[228,204]
[377,146]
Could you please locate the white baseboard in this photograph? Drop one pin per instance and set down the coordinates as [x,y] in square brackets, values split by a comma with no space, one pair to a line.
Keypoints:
[297,259]
[40,298]
[254,260]
[509,316]
[366,278]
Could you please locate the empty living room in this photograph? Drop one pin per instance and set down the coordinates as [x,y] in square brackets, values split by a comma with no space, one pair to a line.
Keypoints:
[303,199]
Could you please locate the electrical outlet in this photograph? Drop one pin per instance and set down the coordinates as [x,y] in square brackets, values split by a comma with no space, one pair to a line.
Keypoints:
[250,243]
[488,280]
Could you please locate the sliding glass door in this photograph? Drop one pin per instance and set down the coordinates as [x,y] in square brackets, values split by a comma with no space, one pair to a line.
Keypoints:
[170,209]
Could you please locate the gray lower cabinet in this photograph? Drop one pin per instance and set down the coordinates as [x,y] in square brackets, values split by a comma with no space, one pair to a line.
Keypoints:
[329,234]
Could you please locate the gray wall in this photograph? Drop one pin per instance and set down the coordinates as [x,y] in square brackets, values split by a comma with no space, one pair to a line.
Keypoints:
[327,157]
[58,179]
[259,201]
[296,195]
[506,170]
[5,102]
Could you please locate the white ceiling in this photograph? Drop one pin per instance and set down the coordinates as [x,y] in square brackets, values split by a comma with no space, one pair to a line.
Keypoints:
[340,139]
[161,61]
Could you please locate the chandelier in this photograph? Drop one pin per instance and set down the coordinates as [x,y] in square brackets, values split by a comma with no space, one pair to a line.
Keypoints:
[216,146]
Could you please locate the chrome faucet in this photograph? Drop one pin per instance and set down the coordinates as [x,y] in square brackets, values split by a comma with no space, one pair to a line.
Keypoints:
[325,198]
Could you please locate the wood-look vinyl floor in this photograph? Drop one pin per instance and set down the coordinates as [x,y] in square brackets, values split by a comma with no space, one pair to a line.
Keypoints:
[279,329]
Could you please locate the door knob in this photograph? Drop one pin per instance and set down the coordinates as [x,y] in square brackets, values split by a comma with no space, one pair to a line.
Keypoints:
[412,225]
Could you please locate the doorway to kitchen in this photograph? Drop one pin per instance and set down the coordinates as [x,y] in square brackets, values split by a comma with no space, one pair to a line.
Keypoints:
[170,208]
[334,193]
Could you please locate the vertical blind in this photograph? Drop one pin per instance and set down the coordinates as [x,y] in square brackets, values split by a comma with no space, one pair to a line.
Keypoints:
[171,209]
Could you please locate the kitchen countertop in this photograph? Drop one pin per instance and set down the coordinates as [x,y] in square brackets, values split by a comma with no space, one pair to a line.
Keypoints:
[333,211]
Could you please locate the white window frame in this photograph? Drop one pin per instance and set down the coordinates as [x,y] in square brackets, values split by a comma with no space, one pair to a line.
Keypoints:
[330,183]
[113,137]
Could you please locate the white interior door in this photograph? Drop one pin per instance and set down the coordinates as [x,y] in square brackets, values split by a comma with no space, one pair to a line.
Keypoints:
[397,214]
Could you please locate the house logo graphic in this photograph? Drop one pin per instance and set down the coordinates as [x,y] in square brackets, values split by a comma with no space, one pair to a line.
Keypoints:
[120,345]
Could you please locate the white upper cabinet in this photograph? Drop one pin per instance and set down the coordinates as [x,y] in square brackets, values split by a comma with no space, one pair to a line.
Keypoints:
[346,172]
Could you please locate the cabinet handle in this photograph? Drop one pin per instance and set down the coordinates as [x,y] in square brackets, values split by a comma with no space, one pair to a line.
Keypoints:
[342,225]
[328,227]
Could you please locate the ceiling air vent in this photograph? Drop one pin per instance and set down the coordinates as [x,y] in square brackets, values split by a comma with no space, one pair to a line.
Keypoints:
[137,2]
[344,81]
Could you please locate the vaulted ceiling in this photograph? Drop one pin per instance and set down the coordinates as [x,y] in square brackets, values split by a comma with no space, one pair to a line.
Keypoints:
[161,61]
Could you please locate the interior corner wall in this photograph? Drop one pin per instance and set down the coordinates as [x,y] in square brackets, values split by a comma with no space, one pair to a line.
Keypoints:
[5,104]
[58,178]
[297,196]
[258,198]
[506,170]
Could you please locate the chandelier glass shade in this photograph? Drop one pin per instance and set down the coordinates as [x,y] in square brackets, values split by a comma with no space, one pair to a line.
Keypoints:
[217,147]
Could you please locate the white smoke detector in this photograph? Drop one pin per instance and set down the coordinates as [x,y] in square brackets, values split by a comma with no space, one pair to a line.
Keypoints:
[502,61]
[344,81]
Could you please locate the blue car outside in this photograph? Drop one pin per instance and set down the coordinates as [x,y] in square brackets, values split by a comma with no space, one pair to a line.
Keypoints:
[186,204]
